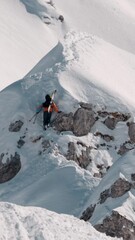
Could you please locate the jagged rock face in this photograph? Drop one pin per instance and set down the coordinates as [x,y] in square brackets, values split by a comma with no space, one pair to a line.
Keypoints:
[64,122]
[88,213]
[16,126]
[83,159]
[120,187]
[114,225]
[117,226]
[104,195]
[80,123]
[83,120]
[10,169]
[106,137]
[131,132]
[113,118]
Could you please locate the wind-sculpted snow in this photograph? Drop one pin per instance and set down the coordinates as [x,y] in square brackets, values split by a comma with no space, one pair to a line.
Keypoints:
[113,21]
[29,223]
[24,41]
[60,169]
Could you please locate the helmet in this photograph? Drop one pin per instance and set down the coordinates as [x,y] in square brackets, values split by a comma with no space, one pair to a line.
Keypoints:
[48,98]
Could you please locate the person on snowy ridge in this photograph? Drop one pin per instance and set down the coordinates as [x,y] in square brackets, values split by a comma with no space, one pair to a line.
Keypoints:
[48,107]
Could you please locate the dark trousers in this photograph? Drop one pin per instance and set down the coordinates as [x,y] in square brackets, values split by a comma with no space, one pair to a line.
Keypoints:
[46,118]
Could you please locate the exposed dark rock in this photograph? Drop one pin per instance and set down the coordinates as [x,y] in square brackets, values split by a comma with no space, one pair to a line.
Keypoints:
[9,169]
[113,118]
[98,175]
[102,170]
[87,106]
[51,3]
[106,137]
[120,187]
[104,195]
[36,138]
[133,176]
[16,126]
[117,226]
[125,147]
[117,115]
[103,144]
[103,114]
[20,143]
[83,160]
[80,123]
[121,116]
[64,122]
[111,122]
[61,18]
[87,214]
[83,120]
[131,131]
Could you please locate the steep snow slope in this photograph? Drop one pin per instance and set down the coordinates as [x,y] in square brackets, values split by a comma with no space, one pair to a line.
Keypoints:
[44,176]
[82,67]
[101,64]
[25,39]
[123,168]
[35,29]
[112,21]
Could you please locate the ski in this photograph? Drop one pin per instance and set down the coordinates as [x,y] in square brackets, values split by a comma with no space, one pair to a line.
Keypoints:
[52,97]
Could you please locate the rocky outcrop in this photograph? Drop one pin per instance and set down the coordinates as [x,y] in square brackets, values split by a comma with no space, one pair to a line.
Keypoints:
[118,189]
[9,169]
[16,126]
[117,226]
[87,106]
[114,225]
[105,137]
[83,159]
[131,132]
[112,118]
[61,18]
[110,122]
[79,123]
[87,214]
[125,147]
[21,142]
[63,122]
[83,120]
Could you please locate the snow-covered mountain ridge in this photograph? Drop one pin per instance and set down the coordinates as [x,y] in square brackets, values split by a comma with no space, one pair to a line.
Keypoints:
[94,80]
[36,223]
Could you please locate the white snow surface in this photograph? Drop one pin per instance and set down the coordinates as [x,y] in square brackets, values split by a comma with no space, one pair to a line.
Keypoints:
[90,57]
[24,41]
[35,223]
